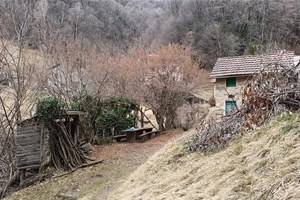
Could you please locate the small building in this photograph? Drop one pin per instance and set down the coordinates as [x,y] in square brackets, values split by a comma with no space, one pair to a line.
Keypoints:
[194,99]
[32,140]
[230,75]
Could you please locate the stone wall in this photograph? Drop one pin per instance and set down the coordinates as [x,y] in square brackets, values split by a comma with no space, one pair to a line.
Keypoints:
[223,93]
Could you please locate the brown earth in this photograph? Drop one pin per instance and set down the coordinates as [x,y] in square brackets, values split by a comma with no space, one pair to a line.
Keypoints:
[99,181]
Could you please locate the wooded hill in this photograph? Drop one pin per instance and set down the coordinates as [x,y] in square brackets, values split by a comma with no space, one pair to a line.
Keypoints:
[213,28]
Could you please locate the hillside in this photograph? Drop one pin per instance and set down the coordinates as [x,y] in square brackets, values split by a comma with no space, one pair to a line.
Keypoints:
[98,181]
[263,164]
[212,28]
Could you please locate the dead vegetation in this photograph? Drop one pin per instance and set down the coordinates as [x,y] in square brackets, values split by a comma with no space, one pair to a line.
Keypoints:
[275,89]
[264,164]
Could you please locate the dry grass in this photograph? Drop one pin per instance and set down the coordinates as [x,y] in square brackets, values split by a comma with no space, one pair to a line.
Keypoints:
[96,182]
[264,164]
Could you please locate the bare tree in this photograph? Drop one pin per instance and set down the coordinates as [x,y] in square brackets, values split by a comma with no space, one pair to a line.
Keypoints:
[160,79]
[169,77]
[18,68]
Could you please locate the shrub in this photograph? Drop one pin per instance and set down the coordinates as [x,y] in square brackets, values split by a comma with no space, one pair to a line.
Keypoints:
[50,108]
[118,115]
[105,117]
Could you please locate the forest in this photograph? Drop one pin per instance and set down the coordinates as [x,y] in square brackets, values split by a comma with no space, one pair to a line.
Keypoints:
[213,28]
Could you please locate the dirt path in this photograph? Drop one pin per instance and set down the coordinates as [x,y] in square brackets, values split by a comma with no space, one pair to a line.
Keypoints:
[97,182]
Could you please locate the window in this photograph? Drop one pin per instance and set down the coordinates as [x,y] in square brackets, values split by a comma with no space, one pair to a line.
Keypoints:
[231,82]
[229,106]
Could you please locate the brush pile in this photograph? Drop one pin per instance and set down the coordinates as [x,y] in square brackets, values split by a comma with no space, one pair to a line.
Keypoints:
[65,152]
[275,89]
[63,134]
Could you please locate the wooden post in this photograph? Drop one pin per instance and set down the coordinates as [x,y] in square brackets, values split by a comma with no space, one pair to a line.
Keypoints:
[144,115]
[22,175]
[142,118]
[77,134]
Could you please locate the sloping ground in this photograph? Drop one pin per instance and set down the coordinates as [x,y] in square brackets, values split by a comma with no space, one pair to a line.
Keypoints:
[205,92]
[98,181]
[263,164]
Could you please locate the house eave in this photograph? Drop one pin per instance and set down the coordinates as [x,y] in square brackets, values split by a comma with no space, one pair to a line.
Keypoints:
[229,76]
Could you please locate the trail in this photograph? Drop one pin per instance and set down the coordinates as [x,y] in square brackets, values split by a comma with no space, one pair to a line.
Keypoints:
[99,181]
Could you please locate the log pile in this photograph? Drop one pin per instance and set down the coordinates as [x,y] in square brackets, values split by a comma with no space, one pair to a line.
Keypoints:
[275,89]
[65,152]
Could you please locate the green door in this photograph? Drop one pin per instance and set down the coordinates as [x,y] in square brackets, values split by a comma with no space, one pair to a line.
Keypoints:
[229,106]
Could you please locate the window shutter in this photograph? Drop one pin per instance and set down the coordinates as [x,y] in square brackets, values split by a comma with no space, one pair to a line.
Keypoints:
[231,82]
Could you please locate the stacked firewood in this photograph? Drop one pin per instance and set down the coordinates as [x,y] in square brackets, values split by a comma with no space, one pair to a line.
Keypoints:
[65,152]
[275,89]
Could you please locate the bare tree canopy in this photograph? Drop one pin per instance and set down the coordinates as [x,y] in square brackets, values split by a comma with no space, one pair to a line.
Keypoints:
[212,27]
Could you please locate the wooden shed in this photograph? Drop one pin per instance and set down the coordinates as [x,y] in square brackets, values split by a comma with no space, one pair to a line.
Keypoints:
[32,139]
[72,121]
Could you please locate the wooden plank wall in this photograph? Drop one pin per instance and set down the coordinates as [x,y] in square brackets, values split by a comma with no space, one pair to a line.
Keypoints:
[28,141]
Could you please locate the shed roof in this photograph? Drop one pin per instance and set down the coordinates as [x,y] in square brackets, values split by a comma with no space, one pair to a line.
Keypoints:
[74,112]
[249,64]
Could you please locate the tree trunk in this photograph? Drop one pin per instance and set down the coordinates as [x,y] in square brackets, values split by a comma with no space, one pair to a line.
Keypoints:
[142,117]
[160,120]
[170,120]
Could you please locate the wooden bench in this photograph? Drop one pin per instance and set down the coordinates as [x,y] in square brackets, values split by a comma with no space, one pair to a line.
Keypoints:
[118,138]
[148,135]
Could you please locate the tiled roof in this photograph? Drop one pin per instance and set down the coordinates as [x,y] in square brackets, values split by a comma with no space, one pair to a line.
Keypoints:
[249,64]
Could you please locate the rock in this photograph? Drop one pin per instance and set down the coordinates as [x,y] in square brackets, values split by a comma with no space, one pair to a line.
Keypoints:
[67,196]
[87,147]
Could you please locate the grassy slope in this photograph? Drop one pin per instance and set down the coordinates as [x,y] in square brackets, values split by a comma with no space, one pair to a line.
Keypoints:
[98,181]
[264,164]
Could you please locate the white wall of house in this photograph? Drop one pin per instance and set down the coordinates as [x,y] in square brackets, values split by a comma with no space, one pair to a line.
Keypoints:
[223,93]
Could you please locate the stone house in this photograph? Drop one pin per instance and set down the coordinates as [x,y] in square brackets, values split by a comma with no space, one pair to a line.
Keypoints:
[230,75]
